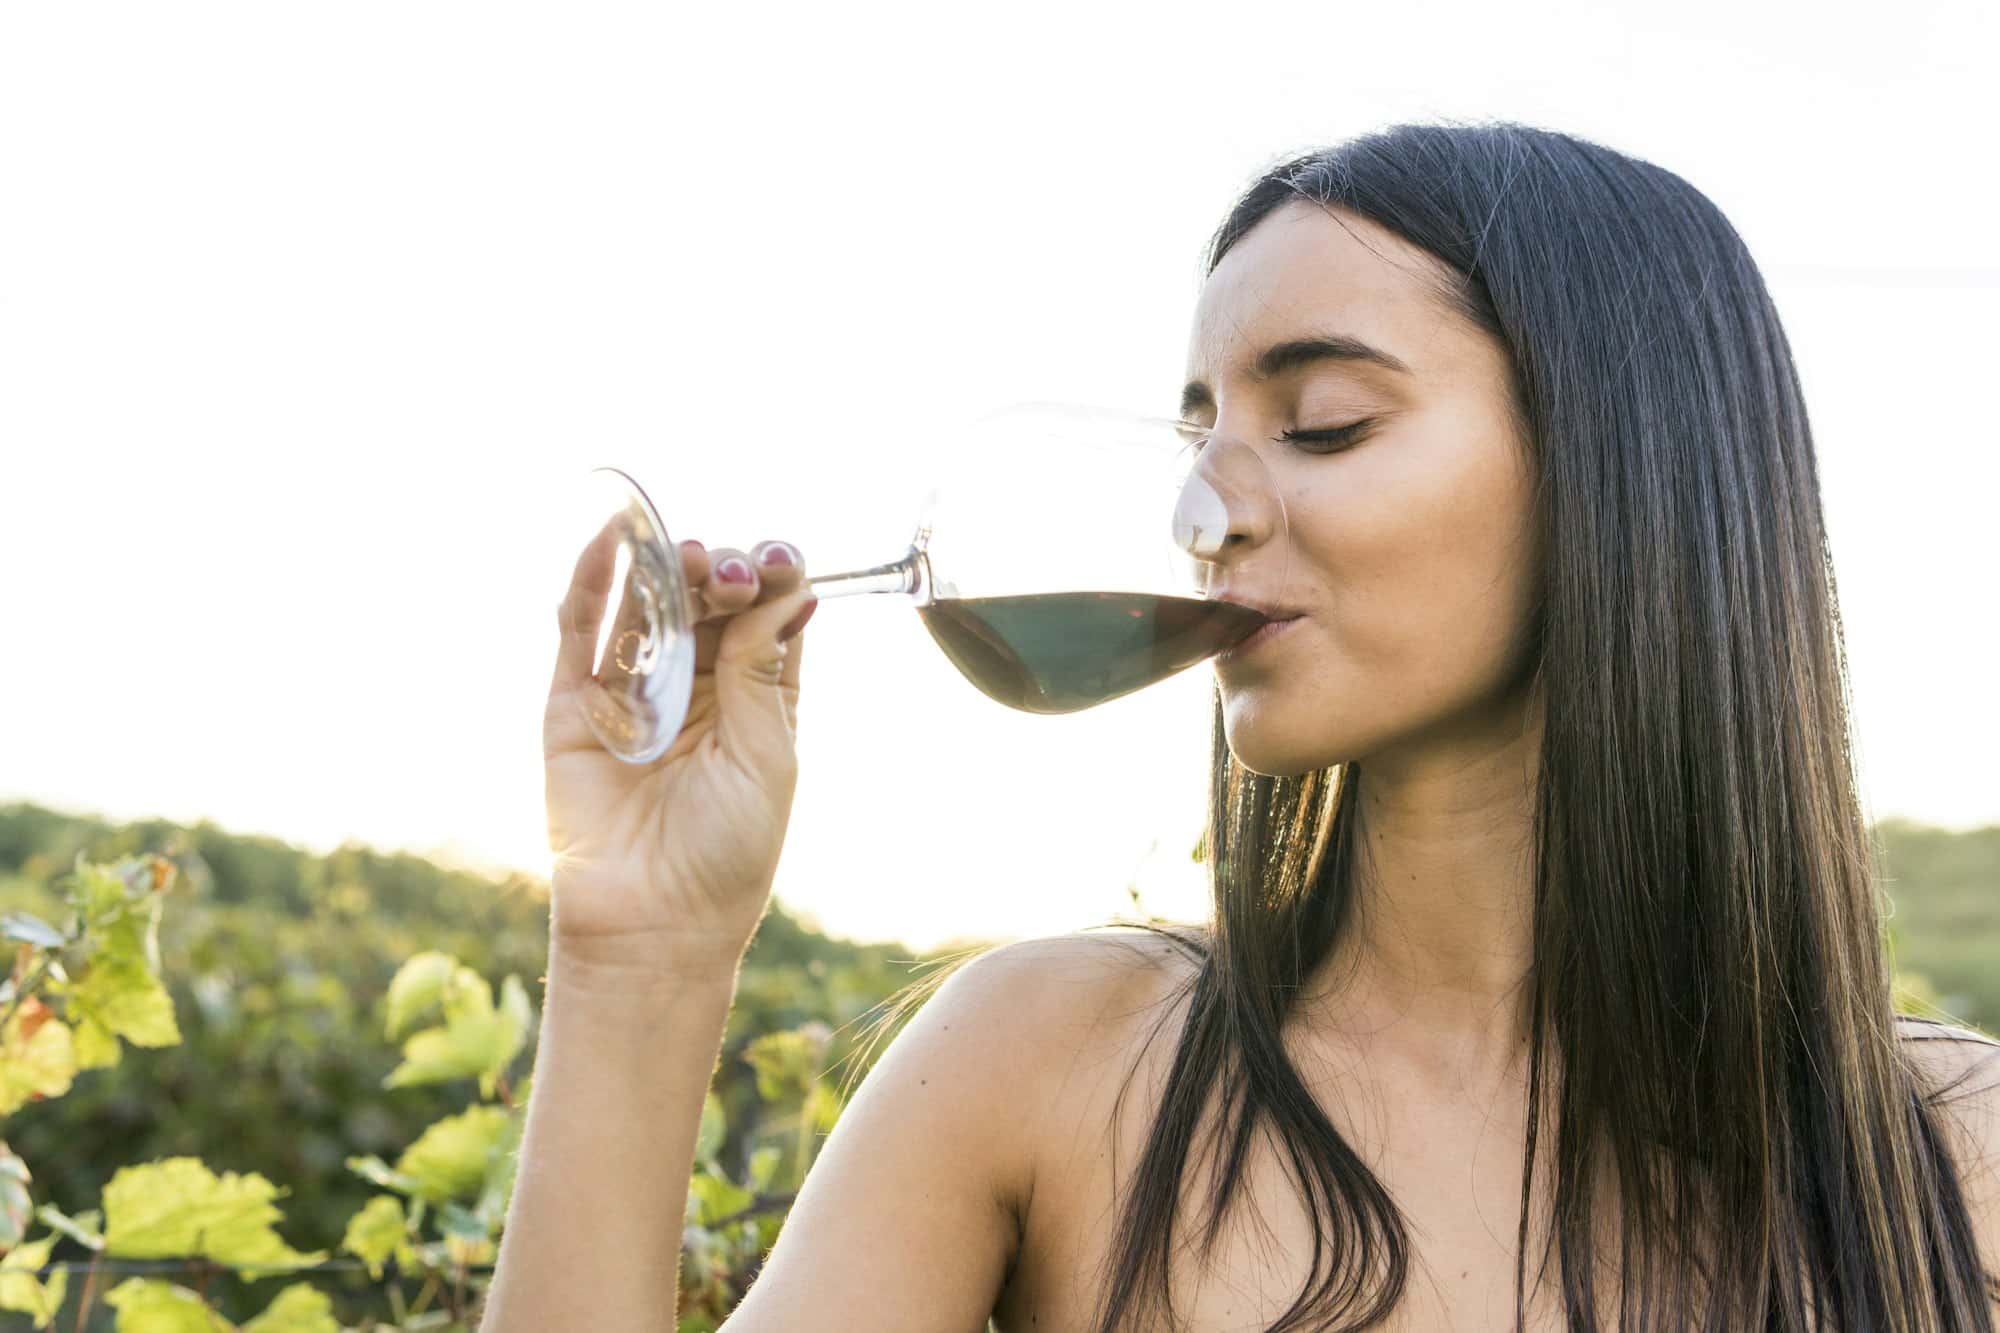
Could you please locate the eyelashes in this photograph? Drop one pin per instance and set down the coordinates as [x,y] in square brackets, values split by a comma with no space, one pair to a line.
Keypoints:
[1333,439]
[1330,440]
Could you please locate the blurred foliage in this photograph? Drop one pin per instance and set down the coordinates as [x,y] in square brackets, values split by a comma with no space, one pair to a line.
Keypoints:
[1943,889]
[279,966]
[331,1035]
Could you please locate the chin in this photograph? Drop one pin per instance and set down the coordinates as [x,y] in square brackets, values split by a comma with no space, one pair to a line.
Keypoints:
[1265,741]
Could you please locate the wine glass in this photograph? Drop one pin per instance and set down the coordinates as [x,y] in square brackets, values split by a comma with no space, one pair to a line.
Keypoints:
[1068,555]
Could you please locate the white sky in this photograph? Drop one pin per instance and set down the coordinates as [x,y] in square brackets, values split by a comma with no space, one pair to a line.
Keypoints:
[304,310]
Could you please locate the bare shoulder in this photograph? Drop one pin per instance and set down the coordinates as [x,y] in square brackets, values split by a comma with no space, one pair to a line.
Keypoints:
[1961,1070]
[1054,998]
[1009,1021]
[1960,1064]
[1063,972]
[913,1215]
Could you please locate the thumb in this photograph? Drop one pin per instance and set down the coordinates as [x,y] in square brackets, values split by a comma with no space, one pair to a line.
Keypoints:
[751,685]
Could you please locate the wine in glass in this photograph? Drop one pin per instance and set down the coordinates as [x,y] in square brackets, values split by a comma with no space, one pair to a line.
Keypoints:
[1068,556]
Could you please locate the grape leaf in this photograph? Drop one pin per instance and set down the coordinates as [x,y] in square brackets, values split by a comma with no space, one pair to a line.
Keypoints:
[764,1165]
[96,1048]
[503,1163]
[120,992]
[378,1231]
[718,1197]
[476,1039]
[177,1206]
[788,1062]
[713,1126]
[40,1064]
[299,1308]
[449,1159]
[21,1291]
[146,1305]
[418,984]
[122,995]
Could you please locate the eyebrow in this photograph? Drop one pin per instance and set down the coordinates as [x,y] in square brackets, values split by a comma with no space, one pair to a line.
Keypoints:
[1278,358]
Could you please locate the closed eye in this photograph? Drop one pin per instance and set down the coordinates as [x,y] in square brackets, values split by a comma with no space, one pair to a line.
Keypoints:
[1337,437]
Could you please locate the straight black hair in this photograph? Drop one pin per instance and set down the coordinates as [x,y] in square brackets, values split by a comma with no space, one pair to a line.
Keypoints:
[1713,1029]
[1709,969]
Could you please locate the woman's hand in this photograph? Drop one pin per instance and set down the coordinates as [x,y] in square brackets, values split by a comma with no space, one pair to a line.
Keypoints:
[666,867]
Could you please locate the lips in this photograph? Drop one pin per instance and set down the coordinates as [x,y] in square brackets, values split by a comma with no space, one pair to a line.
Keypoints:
[1270,610]
[1250,643]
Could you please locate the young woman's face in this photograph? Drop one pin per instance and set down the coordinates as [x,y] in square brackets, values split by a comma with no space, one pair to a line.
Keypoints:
[1410,553]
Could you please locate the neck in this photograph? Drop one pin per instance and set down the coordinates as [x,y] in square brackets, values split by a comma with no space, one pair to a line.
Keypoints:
[1438,948]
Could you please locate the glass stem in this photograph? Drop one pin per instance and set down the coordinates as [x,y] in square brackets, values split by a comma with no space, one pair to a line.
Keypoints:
[910,575]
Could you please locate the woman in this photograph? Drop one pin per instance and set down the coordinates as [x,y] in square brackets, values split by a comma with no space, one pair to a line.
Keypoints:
[1544,984]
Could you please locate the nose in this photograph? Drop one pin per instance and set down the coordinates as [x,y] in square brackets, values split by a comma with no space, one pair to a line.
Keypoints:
[1229,506]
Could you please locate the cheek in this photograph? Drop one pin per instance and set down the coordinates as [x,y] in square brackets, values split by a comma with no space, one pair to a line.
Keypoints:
[1428,571]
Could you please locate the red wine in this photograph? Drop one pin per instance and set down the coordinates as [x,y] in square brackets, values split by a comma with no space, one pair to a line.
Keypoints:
[1065,651]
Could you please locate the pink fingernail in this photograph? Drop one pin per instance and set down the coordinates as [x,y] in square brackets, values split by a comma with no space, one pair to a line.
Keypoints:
[692,545]
[780,553]
[734,570]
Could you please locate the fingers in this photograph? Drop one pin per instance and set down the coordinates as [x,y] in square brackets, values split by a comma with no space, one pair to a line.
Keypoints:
[720,592]
[581,612]
[757,677]
[727,580]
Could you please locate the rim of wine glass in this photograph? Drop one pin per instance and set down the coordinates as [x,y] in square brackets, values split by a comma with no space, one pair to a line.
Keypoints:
[676,580]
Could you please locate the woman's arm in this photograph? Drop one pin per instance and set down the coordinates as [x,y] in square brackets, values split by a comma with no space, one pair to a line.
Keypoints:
[912,1214]
[593,1236]
[909,1218]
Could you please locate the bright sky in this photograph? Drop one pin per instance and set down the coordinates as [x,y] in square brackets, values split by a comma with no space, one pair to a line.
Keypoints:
[305,309]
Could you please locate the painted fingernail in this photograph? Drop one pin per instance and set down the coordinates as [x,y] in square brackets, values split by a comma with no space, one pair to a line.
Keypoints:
[780,553]
[692,545]
[734,570]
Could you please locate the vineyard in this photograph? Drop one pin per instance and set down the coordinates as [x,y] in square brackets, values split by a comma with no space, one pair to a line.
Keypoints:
[243,1087]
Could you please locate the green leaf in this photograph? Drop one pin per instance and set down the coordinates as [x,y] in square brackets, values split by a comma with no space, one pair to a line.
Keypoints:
[84,1228]
[146,1305]
[120,992]
[97,894]
[764,1165]
[378,1172]
[717,1198]
[822,1108]
[17,1207]
[476,1039]
[21,1291]
[123,995]
[713,1126]
[787,1063]
[41,1064]
[96,1047]
[418,984]
[299,1308]
[517,1015]
[34,930]
[179,1207]
[449,1160]
[378,1231]
[456,1220]
[503,1163]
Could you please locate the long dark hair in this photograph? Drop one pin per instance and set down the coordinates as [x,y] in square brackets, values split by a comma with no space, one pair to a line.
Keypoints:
[1709,975]
[1709,961]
